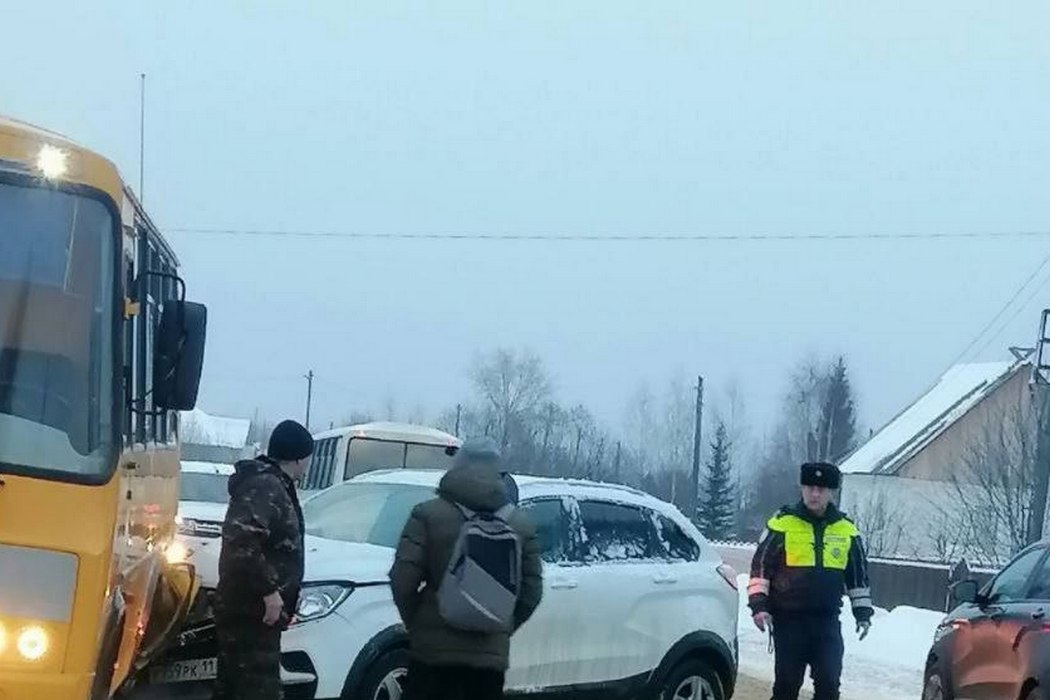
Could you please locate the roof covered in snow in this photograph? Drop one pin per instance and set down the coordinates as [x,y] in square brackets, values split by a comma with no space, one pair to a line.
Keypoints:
[200,428]
[387,430]
[207,468]
[961,388]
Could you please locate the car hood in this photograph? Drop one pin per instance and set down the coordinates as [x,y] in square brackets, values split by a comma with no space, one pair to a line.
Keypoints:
[203,510]
[332,560]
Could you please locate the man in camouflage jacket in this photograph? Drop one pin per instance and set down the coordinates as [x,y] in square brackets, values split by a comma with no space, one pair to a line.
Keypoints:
[260,566]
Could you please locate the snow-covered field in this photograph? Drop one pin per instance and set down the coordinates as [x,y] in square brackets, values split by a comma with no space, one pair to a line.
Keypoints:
[887,665]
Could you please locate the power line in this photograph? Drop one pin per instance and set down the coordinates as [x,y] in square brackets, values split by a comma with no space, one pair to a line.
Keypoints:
[1002,311]
[605,237]
[1016,313]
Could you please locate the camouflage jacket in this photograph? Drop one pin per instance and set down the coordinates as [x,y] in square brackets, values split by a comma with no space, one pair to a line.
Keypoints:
[262,541]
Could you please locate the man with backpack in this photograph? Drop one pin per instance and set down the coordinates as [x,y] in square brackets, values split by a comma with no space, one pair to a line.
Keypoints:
[466,576]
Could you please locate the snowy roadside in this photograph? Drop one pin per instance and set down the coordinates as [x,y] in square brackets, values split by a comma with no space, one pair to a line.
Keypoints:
[888,665]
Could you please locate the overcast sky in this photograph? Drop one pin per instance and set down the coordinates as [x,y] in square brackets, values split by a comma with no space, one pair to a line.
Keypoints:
[583,117]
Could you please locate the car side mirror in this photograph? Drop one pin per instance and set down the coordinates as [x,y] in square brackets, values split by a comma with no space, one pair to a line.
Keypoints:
[179,355]
[964,592]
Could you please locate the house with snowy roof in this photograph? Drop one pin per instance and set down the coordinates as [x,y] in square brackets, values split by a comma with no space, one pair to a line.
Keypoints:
[914,487]
[210,438]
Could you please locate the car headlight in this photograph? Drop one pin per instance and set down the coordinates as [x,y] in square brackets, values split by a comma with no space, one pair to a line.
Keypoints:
[177,552]
[319,600]
[943,630]
[190,527]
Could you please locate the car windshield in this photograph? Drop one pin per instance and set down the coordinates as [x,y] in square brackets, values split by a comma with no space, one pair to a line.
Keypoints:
[368,513]
[204,487]
[56,334]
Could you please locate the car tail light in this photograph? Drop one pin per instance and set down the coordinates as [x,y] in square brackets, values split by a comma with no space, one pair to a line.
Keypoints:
[728,573]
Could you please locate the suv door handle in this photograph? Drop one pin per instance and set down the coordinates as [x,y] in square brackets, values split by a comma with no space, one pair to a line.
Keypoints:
[663,579]
[564,584]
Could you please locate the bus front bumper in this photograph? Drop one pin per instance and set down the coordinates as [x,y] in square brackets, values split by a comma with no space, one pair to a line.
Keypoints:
[44,686]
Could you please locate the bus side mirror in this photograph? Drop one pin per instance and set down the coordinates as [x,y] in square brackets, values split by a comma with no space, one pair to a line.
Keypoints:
[179,355]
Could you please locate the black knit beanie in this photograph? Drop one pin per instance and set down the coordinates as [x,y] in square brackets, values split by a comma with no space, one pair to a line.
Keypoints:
[290,442]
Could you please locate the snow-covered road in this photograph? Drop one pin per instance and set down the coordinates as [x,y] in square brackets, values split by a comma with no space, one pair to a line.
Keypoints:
[887,665]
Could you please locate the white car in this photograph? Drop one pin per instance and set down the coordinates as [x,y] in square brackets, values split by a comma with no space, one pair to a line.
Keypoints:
[635,600]
[203,499]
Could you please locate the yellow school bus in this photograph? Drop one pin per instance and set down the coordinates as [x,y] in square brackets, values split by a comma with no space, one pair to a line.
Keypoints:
[98,352]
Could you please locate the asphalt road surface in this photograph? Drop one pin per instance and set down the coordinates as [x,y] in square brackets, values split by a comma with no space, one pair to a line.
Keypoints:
[750,689]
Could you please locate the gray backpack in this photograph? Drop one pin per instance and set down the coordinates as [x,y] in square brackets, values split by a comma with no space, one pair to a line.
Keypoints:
[480,588]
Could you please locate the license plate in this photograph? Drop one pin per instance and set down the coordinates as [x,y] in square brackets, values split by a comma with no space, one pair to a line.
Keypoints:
[182,671]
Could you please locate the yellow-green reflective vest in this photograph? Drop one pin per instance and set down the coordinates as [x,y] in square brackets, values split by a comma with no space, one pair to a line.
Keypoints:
[800,542]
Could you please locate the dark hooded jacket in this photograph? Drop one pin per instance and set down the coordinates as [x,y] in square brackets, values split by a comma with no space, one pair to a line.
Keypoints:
[262,541]
[423,555]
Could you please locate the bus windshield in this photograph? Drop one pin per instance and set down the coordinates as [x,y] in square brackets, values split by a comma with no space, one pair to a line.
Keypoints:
[56,332]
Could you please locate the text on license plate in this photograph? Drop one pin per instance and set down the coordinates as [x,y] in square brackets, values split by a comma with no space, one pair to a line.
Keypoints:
[180,671]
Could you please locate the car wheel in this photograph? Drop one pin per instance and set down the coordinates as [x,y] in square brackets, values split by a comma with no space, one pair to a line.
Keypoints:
[934,688]
[692,680]
[1034,694]
[385,679]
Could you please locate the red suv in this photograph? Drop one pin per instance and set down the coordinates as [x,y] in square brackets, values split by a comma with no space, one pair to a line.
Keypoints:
[995,644]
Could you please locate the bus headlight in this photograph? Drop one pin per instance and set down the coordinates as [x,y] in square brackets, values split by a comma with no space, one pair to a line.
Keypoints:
[33,643]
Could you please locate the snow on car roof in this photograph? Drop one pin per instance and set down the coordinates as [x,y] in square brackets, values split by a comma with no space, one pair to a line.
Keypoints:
[208,468]
[388,430]
[529,486]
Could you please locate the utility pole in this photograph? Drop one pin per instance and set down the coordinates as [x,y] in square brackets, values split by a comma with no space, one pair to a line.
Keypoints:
[459,415]
[616,463]
[309,395]
[142,138]
[1040,385]
[697,436]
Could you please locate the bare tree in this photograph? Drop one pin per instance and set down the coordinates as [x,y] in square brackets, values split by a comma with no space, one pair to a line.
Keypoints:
[994,485]
[640,429]
[947,537]
[881,521]
[514,385]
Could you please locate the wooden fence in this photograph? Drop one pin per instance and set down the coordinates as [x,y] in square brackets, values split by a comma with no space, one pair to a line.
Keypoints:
[893,582]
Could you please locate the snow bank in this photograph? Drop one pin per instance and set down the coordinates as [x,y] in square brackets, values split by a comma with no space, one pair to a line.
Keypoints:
[888,665]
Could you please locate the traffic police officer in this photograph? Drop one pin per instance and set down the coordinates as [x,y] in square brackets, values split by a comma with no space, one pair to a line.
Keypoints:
[810,554]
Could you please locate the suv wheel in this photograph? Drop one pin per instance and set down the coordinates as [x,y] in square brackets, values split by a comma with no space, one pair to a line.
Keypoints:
[692,680]
[934,688]
[385,679]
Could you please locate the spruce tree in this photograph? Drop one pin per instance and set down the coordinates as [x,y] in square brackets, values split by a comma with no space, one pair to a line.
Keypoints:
[716,512]
[838,420]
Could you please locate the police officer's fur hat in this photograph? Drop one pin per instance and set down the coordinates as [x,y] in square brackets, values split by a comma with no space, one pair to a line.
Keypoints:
[821,474]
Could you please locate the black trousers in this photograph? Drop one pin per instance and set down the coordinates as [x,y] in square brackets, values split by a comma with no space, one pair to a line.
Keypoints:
[814,641]
[249,661]
[426,682]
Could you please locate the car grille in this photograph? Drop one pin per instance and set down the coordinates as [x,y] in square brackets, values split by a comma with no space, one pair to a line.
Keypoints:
[203,608]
